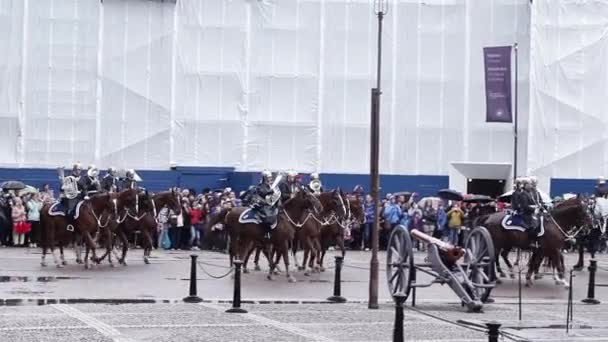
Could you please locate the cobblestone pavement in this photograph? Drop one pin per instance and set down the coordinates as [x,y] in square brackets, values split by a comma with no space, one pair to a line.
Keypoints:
[437,315]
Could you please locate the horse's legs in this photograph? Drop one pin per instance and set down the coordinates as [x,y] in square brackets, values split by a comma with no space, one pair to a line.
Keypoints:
[78,249]
[268,254]
[61,256]
[256,260]
[88,240]
[581,256]
[250,246]
[294,250]
[505,256]
[557,259]
[285,252]
[125,246]
[147,242]
[304,259]
[309,250]
[533,264]
[318,248]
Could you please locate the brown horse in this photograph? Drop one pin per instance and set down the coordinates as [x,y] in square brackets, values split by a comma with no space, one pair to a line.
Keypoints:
[95,215]
[566,215]
[334,233]
[145,220]
[245,236]
[308,236]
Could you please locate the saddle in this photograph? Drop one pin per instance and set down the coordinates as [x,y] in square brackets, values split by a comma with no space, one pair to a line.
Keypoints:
[252,216]
[515,222]
[58,209]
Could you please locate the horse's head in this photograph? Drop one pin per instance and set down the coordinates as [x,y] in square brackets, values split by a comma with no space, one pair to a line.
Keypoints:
[128,199]
[311,202]
[572,212]
[173,200]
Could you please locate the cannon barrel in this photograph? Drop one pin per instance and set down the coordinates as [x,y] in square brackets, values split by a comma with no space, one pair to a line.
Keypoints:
[451,253]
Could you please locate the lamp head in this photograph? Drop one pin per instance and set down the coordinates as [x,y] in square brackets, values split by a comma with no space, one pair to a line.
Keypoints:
[381,7]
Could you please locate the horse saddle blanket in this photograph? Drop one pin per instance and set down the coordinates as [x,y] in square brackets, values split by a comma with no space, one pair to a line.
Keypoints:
[57,209]
[515,222]
[251,216]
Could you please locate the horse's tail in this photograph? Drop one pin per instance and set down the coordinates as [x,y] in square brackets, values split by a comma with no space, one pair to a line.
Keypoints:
[219,217]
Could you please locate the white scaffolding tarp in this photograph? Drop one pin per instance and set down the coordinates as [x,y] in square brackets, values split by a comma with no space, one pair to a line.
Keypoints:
[568,89]
[252,84]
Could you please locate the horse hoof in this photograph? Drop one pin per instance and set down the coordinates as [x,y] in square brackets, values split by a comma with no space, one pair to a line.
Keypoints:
[307,274]
[291,279]
[112,265]
[79,261]
[275,272]
[538,276]
[64,263]
[245,270]
[269,277]
[512,276]
[528,282]
[577,267]
[59,266]
[257,268]
[502,275]
[301,268]
[322,269]
[43,264]
[146,261]
[87,266]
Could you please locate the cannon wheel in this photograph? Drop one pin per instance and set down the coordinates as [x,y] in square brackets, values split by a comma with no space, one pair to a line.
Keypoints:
[479,260]
[399,261]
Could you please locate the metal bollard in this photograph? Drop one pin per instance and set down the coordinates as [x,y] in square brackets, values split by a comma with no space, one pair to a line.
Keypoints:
[398,328]
[337,297]
[591,285]
[493,331]
[236,298]
[193,297]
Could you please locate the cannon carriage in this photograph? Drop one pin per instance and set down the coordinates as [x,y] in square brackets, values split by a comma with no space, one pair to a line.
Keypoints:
[469,271]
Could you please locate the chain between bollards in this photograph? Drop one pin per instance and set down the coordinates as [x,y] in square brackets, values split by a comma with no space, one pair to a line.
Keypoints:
[236,298]
[398,328]
[591,285]
[337,297]
[493,331]
[193,297]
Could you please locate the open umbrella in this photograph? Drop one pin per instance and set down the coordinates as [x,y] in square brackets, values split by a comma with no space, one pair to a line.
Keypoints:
[434,201]
[450,195]
[123,174]
[12,185]
[478,199]
[405,194]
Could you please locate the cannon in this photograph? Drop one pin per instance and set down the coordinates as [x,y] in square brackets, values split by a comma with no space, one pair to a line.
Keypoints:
[469,270]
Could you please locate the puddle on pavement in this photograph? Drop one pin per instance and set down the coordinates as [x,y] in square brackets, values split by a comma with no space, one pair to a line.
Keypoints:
[23,279]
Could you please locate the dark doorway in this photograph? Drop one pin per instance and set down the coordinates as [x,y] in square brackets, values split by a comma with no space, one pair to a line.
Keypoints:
[489,187]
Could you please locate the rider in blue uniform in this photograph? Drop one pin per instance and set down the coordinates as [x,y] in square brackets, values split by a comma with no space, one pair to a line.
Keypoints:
[601,188]
[265,211]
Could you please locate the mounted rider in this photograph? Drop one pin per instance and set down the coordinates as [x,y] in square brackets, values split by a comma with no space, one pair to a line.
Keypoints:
[70,189]
[315,184]
[536,196]
[265,200]
[290,186]
[516,196]
[89,183]
[529,209]
[601,188]
[129,181]
[109,182]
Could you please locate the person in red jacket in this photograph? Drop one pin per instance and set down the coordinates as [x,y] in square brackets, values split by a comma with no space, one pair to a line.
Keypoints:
[196,214]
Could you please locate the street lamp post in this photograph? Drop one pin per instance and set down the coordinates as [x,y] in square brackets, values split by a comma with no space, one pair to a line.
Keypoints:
[381,9]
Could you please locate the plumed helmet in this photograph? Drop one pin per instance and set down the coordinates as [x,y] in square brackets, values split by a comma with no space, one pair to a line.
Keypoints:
[314,175]
[76,169]
[292,173]
[601,180]
[266,174]
[130,173]
[112,170]
[92,171]
[525,180]
[533,180]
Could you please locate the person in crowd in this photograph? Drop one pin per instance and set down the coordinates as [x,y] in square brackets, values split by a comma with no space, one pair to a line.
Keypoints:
[392,212]
[20,225]
[428,218]
[164,225]
[34,205]
[177,223]
[414,210]
[195,218]
[455,217]
[185,232]
[46,194]
[441,222]
[368,208]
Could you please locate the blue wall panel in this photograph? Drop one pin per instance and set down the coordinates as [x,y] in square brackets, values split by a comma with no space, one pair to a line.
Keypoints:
[561,186]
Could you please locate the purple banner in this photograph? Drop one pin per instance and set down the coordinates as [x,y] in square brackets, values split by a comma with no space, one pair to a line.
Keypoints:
[497,61]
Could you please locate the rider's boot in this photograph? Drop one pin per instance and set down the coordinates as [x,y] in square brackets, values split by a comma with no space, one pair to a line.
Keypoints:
[533,237]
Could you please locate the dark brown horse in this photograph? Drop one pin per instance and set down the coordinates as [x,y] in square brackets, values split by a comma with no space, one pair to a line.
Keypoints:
[95,216]
[309,235]
[333,234]
[557,224]
[145,220]
[245,236]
